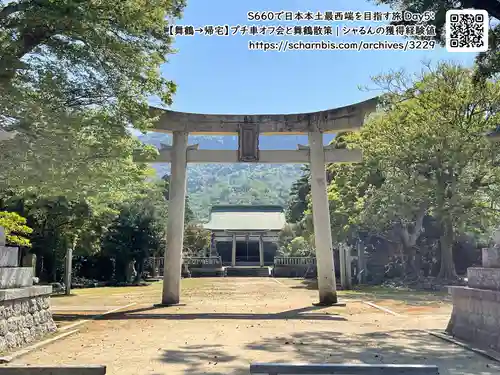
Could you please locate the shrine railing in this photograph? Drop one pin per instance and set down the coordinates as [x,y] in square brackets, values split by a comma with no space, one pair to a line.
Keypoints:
[203,261]
[158,262]
[294,261]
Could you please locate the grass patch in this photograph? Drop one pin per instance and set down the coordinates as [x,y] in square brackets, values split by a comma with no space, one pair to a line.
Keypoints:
[109,290]
[406,297]
[376,293]
[154,287]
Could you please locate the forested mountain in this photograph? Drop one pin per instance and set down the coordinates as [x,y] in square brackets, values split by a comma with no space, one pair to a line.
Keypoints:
[243,183]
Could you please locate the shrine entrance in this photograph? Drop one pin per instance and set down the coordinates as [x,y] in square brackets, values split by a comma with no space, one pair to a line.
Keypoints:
[247,253]
[248,128]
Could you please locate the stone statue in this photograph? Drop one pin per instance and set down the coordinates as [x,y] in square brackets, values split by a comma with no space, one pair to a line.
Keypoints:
[131,272]
[29,260]
[185,272]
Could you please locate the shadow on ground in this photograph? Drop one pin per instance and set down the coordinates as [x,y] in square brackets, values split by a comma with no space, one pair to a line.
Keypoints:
[309,284]
[304,313]
[396,347]
[372,293]
[203,359]
[72,317]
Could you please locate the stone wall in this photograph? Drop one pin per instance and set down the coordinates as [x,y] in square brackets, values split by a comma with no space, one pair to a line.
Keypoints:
[476,316]
[25,316]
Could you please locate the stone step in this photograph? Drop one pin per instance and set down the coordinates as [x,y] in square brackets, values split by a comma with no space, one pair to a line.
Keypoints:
[16,277]
[206,272]
[247,272]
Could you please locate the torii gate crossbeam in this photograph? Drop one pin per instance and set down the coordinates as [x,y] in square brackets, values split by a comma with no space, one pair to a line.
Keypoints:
[248,128]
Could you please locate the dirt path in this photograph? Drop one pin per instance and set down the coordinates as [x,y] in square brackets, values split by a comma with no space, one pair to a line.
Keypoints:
[227,323]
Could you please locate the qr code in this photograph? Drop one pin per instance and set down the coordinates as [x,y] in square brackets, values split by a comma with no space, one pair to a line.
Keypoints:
[467,30]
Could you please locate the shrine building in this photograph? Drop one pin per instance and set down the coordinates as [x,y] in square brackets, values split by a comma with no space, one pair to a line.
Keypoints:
[245,235]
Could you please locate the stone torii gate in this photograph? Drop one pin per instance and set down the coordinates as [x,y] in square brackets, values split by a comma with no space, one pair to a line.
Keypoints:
[248,128]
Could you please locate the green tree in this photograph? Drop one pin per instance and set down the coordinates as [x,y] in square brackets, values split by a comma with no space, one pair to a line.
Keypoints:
[196,240]
[72,162]
[299,246]
[16,230]
[93,51]
[137,232]
[429,142]
[73,76]
[56,223]
[296,239]
[299,194]
[424,155]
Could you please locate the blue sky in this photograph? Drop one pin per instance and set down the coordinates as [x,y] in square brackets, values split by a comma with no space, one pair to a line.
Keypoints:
[220,74]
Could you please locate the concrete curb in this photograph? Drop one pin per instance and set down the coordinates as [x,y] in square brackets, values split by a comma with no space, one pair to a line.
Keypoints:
[96,317]
[443,336]
[485,353]
[30,348]
[381,308]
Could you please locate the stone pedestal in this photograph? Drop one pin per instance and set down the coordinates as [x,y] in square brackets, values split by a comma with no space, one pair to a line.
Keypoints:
[25,314]
[476,308]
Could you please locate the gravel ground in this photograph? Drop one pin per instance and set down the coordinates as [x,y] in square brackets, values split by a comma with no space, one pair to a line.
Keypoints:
[225,324]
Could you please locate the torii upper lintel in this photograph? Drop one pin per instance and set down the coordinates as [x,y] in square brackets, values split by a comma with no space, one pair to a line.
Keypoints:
[347,118]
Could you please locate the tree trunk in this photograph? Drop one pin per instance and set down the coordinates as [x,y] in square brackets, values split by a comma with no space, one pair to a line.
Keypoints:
[53,269]
[409,236]
[447,270]
[69,266]
[67,270]
[410,268]
[417,263]
[39,269]
[140,270]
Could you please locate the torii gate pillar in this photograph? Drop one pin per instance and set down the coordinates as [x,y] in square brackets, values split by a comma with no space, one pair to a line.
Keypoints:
[175,224]
[321,218]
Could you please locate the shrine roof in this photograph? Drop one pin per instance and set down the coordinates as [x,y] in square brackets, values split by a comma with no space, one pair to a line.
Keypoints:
[334,120]
[246,218]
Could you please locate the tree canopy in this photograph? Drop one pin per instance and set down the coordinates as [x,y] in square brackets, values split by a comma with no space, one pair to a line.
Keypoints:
[430,144]
[424,155]
[74,75]
[88,52]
